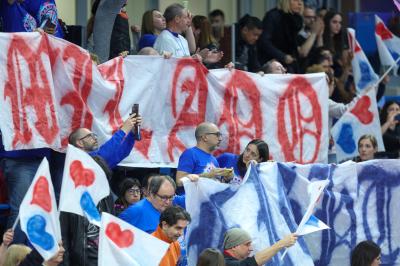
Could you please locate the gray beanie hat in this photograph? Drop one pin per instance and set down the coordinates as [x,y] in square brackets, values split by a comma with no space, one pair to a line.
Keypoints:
[234,237]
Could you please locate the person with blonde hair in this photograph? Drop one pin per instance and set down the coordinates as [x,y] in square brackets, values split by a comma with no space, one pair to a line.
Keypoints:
[15,254]
[279,37]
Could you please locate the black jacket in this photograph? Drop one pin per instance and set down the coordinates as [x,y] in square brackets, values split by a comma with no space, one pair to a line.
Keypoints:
[279,36]
[245,51]
[74,236]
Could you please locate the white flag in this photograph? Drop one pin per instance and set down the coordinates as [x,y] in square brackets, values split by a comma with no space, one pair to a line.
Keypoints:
[123,244]
[38,213]
[310,223]
[84,185]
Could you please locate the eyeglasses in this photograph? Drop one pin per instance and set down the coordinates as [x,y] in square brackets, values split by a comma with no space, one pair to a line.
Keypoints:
[217,134]
[166,198]
[133,191]
[93,135]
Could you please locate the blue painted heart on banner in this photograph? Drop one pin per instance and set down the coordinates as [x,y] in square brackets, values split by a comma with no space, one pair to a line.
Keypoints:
[346,138]
[37,234]
[88,206]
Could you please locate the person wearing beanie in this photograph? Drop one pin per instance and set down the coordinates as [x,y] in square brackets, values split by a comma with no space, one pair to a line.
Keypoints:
[237,248]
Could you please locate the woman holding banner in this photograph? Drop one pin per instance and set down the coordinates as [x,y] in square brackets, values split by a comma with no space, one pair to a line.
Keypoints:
[256,150]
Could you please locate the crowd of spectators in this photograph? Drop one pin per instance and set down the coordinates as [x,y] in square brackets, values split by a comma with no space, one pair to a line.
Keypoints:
[291,38]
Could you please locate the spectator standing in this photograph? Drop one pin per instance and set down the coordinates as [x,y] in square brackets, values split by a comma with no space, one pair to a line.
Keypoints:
[153,23]
[90,26]
[202,33]
[246,56]
[111,29]
[222,34]
[310,37]
[390,127]
[279,38]
[178,21]
[335,39]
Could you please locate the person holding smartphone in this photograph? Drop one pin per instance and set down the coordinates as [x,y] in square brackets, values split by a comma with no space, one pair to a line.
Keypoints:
[112,151]
[390,127]
[29,16]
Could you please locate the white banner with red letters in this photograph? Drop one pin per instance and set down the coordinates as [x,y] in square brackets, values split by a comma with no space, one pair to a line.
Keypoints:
[50,87]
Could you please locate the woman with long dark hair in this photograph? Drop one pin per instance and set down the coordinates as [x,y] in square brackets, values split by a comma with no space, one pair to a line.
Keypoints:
[256,150]
[153,22]
[366,253]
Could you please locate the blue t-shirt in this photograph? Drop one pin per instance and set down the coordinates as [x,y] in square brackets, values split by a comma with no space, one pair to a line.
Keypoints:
[229,160]
[196,161]
[16,18]
[147,40]
[144,216]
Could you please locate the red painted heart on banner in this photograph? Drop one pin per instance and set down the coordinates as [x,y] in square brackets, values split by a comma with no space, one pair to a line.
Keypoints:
[41,194]
[121,238]
[82,176]
[144,144]
[361,110]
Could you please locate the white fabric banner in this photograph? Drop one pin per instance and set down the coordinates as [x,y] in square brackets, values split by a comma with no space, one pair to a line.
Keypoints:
[50,87]
[122,244]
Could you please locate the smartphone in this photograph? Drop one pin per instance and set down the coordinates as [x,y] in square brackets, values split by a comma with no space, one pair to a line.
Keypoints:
[136,129]
[47,24]
[397,117]
[135,109]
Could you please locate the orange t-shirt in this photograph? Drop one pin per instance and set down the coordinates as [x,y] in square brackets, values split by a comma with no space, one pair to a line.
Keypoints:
[174,251]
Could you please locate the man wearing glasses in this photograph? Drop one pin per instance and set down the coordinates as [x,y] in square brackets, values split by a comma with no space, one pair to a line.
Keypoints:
[115,149]
[145,214]
[80,237]
[199,159]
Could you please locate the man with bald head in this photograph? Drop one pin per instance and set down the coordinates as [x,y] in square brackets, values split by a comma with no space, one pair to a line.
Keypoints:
[199,159]
[115,149]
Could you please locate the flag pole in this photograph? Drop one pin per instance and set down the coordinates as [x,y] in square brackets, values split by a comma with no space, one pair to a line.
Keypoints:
[387,72]
[15,223]
[284,254]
